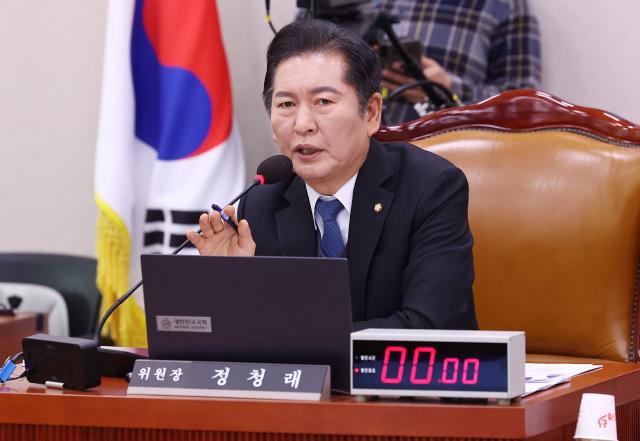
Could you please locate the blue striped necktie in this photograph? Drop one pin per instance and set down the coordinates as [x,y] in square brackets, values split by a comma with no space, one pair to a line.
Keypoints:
[331,243]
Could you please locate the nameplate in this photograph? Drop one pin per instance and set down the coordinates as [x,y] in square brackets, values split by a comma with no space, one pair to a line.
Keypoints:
[230,380]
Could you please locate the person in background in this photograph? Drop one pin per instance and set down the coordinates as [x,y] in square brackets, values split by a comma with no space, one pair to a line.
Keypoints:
[475,48]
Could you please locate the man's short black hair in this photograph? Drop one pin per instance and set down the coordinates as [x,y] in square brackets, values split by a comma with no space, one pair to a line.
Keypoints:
[307,37]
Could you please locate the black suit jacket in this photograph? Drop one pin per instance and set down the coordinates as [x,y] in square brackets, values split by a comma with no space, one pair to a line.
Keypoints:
[411,264]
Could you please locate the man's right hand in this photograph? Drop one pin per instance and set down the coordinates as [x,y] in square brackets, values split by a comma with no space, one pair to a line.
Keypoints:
[217,238]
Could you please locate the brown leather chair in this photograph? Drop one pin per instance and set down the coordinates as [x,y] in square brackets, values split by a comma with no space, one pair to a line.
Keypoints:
[554,209]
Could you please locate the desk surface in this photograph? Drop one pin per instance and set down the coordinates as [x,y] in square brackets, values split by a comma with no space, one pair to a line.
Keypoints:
[107,406]
[13,328]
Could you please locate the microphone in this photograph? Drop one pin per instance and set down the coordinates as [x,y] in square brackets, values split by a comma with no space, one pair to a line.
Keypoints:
[273,169]
[74,363]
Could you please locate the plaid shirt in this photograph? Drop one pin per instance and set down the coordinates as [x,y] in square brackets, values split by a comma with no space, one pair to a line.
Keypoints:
[486,46]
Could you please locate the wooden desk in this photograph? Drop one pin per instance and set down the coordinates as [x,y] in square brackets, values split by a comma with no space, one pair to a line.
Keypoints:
[33,412]
[13,329]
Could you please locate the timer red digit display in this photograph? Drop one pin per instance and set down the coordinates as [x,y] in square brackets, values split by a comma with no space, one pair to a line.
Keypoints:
[426,355]
[414,366]
[385,366]
[450,366]
[450,370]
[471,367]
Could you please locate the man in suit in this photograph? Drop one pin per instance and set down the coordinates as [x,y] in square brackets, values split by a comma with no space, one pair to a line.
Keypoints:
[398,213]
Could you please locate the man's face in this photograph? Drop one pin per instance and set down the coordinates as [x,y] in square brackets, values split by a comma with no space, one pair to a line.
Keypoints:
[316,120]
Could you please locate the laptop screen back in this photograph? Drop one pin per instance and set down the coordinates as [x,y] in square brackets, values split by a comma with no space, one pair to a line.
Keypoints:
[251,309]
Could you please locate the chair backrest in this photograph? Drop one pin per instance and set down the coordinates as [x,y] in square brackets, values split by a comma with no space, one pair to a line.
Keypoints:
[554,209]
[73,276]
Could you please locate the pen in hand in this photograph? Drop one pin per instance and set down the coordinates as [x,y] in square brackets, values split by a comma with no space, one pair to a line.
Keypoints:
[225,217]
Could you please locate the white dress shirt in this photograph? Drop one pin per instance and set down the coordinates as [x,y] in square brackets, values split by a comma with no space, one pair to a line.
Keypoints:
[345,196]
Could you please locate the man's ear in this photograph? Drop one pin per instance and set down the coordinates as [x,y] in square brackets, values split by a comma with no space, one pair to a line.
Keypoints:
[373,113]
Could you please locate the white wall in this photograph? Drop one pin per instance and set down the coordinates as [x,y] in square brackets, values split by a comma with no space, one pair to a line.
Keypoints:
[51,56]
[246,37]
[591,53]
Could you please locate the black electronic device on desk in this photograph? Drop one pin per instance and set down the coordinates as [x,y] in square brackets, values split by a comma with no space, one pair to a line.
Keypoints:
[438,363]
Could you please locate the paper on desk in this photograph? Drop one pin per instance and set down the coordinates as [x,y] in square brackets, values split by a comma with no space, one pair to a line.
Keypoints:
[541,376]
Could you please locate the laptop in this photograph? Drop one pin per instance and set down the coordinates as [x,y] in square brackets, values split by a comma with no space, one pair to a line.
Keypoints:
[249,309]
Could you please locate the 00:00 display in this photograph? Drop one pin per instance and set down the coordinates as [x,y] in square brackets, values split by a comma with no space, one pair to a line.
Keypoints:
[450,367]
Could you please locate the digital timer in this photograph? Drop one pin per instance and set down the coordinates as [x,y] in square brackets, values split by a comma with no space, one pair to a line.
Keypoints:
[438,363]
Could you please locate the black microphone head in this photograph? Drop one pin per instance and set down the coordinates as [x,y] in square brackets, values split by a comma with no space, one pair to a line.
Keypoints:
[275,169]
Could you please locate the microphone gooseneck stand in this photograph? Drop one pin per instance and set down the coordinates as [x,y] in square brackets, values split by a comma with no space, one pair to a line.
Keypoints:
[273,169]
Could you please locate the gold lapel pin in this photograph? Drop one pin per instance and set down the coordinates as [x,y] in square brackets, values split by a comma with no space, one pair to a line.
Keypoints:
[377,207]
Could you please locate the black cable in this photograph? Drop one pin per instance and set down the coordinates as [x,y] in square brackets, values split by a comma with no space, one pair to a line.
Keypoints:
[22,375]
[273,29]
[118,302]
[436,95]
[267,7]
[400,89]
[417,83]
[17,358]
